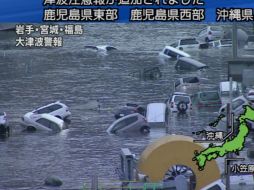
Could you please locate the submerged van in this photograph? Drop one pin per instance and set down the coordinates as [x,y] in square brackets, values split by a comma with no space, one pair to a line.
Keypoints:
[171,52]
[188,64]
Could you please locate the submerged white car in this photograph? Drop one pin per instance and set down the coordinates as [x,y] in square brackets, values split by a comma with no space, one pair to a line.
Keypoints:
[221,43]
[250,44]
[42,122]
[3,118]
[250,96]
[186,43]
[56,109]
[171,52]
[237,106]
[131,123]
[179,102]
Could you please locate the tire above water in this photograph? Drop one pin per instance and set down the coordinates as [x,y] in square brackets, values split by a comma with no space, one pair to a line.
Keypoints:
[182,107]
[145,129]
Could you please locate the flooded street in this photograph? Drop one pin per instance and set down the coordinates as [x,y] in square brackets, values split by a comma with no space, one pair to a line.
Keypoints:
[31,78]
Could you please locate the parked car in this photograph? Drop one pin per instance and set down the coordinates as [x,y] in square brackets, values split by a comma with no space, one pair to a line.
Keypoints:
[225,88]
[221,43]
[211,33]
[4,128]
[129,109]
[188,64]
[189,85]
[43,122]
[171,52]
[131,123]
[207,99]
[250,43]
[56,109]
[179,102]
[156,114]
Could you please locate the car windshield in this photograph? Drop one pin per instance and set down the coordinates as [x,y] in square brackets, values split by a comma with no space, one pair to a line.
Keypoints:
[178,99]
[206,96]
[188,41]
[1,113]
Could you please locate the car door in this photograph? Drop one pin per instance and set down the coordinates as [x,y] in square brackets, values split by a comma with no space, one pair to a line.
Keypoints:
[43,110]
[43,124]
[118,127]
[132,124]
[53,126]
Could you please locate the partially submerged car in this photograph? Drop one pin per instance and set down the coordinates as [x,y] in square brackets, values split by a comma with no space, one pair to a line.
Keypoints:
[42,122]
[250,96]
[4,128]
[188,64]
[101,47]
[186,43]
[171,52]
[221,43]
[179,102]
[128,109]
[153,73]
[189,85]
[207,99]
[250,43]
[131,123]
[237,106]
[56,109]
[211,33]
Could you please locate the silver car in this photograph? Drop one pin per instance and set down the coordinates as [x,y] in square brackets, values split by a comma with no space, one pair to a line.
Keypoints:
[42,122]
[130,123]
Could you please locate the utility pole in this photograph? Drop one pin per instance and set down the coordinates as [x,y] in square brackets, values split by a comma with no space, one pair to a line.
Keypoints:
[229,124]
[234,41]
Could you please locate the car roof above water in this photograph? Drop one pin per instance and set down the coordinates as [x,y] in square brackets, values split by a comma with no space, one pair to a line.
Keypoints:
[192,62]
